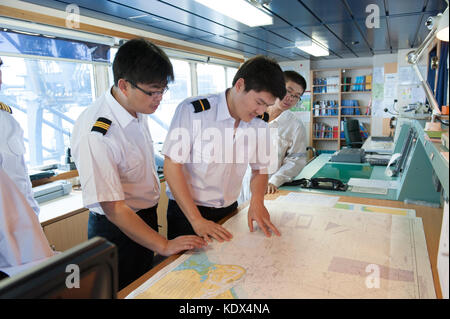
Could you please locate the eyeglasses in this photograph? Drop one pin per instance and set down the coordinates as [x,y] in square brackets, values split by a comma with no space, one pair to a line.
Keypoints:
[152,94]
[293,96]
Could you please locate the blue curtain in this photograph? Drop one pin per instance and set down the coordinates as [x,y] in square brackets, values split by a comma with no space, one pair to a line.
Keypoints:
[13,42]
[442,82]
[431,72]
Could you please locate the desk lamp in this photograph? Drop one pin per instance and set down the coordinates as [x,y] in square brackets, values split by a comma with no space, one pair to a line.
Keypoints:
[438,27]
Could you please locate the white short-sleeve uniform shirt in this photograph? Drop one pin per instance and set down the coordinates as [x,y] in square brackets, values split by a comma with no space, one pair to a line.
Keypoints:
[292,143]
[117,165]
[214,154]
[12,150]
[22,240]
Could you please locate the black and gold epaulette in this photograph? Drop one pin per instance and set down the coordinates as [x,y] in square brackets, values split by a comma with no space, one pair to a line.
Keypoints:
[201,105]
[101,125]
[264,117]
[5,108]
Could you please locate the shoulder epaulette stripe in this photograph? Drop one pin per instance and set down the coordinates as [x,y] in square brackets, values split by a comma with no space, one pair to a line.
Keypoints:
[201,105]
[5,107]
[264,117]
[101,125]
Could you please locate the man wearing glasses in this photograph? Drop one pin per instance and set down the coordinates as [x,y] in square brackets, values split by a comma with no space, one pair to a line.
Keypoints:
[113,151]
[292,140]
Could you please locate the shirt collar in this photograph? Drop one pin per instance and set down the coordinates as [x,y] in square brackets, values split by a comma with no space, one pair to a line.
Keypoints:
[120,113]
[223,113]
[282,117]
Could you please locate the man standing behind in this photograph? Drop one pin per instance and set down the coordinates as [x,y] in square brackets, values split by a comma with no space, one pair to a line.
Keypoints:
[204,187]
[292,140]
[113,151]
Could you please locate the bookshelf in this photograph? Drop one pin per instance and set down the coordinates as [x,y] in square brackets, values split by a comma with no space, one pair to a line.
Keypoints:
[337,95]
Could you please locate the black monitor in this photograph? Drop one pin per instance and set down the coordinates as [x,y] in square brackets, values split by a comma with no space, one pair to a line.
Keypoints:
[86,271]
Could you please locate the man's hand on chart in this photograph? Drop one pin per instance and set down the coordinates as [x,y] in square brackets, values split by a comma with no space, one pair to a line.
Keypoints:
[258,212]
[208,229]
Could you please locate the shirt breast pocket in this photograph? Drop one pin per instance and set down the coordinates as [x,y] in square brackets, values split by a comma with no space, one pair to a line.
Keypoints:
[133,169]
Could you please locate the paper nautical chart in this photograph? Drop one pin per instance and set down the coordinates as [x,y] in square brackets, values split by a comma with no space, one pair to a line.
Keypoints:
[323,253]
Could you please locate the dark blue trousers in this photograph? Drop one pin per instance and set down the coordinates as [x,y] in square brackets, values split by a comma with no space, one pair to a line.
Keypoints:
[134,259]
[178,224]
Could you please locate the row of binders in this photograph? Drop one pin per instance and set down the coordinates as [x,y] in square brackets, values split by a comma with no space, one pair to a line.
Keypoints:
[331,108]
[361,83]
[351,107]
[322,130]
[326,108]
[329,84]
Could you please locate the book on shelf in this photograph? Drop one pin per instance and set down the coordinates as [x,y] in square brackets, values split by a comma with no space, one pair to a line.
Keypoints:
[322,130]
[325,108]
[361,84]
[335,132]
[368,83]
[328,84]
[364,130]
[346,80]
[350,107]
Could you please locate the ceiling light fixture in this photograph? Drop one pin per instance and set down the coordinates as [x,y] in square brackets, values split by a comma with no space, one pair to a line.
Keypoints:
[240,10]
[312,48]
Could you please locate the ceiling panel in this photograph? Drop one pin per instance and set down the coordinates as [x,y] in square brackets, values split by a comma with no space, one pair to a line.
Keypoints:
[337,13]
[405,7]
[175,15]
[377,38]
[358,7]
[400,36]
[283,37]
[322,35]
[338,24]
[194,8]
[351,36]
[293,12]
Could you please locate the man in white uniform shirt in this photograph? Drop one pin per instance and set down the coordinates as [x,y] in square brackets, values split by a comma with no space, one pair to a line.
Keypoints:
[12,150]
[22,241]
[292,142]
[209,146]
[113,151]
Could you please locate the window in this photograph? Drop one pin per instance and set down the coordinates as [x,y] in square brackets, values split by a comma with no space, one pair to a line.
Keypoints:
[210,78]
[231,72]
[49,82]
[179,90]
[46,96]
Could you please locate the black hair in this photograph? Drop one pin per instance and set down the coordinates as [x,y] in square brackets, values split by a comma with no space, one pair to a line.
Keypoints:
[261,73]
[140,61]
[295,77]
